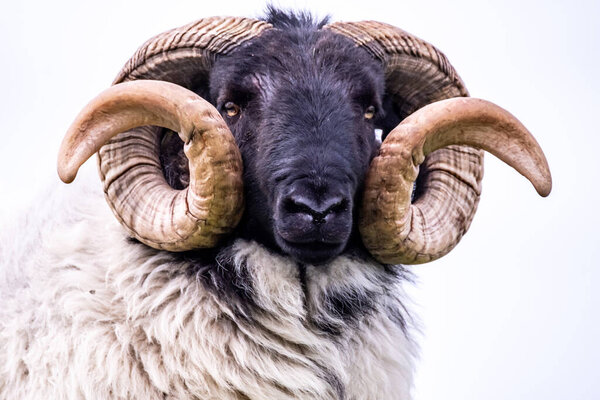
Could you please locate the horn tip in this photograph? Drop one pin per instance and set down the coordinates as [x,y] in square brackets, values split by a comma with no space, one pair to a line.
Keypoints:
[545,188]
[66,174]
[543,185]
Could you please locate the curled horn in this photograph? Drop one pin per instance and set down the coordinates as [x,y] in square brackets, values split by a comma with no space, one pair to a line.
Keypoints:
[152,211]
[439,144]
[124,125]
[400,231]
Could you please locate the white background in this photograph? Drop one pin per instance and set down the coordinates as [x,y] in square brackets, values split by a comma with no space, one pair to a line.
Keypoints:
[512,312]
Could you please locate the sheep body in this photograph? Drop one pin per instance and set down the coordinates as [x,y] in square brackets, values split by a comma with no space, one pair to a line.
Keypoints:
[88,313]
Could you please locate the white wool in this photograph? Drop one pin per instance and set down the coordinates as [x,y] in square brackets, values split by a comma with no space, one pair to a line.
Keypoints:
[87,313]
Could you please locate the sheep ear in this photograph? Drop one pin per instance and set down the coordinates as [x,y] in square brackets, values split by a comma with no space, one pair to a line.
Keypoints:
[390,117]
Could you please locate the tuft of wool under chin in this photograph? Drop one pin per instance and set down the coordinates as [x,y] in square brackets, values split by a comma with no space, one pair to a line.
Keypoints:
[88,313]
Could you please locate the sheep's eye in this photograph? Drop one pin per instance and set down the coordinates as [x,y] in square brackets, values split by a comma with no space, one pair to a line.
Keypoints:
[370,112]
[232,109]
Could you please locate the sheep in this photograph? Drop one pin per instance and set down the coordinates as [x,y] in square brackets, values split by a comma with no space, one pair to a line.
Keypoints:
[300,294]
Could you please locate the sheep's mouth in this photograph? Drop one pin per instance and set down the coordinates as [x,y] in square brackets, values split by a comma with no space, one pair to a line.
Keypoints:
[314,252]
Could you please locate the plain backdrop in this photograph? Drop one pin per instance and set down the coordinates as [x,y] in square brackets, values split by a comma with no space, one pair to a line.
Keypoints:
[512,312]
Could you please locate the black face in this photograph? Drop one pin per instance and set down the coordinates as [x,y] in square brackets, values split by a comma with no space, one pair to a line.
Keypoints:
[301,104]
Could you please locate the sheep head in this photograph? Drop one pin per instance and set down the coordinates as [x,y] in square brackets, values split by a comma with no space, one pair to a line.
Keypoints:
[301,105]
[306,103]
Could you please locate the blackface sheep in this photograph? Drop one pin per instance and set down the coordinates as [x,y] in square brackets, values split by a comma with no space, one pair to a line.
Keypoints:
[279,282]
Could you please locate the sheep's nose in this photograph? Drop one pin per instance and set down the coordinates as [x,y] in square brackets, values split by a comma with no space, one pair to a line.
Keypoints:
[319,210]
[313,222]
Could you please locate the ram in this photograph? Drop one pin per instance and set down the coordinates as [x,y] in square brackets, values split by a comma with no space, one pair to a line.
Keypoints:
[259,229]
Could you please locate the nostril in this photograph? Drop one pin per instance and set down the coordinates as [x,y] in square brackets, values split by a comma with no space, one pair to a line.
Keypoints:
[338,207]
[295,205]
[318,210]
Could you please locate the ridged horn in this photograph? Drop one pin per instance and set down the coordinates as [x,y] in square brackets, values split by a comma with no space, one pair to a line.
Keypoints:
[394,228]
[148,207]
[130,165]
[398,231]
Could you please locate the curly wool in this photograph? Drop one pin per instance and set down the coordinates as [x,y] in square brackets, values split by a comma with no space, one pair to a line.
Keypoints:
[87,313]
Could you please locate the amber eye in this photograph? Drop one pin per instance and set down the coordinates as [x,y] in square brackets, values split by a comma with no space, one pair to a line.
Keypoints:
[370,112]
[232,109]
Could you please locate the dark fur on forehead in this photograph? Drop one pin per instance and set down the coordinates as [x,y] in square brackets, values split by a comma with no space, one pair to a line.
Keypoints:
[294,51]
